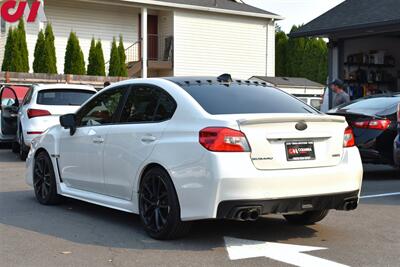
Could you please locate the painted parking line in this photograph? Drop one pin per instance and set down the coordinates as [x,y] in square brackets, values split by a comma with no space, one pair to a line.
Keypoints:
[381,195]
[239,249]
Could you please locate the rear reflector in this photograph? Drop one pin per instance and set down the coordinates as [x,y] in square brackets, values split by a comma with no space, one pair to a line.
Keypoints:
[32,113]
[34,132]
[218,139]
[373,124]
[349,140]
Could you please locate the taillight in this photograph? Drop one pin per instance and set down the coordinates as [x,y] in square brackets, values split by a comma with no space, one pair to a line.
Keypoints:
[223,140]
[349,140]
[32,113]
[378,124]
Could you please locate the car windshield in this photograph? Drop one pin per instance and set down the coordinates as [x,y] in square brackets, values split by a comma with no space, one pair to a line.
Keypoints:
[235,98]
[63,97]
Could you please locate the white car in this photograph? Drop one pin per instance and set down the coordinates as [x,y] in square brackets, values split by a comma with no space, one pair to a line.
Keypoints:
[175,150]
[42,107]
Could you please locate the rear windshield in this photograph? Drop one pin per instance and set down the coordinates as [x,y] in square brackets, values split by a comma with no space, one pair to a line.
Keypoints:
[245,99]
[63,97]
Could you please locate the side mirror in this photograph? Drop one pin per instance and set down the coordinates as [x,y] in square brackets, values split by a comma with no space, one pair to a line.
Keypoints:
[68,121]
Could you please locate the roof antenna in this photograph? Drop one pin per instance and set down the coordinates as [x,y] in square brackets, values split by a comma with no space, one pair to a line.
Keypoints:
[226,78]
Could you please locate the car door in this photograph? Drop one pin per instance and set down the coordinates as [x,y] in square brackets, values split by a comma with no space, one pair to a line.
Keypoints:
[81,155]
[9,111]
[143,119]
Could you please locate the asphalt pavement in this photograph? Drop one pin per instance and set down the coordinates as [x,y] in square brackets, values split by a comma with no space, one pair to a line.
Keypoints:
[80,234]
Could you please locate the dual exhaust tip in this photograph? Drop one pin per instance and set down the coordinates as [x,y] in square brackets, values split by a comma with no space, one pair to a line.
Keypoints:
[248,214]
[350,205]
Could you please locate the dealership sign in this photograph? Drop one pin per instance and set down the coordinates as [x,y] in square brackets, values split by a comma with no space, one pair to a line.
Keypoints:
[12,11]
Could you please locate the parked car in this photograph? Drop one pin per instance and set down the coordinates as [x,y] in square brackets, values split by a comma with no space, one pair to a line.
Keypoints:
[175,150]
[396,146]
[374,122]
[10,99]
[42,107]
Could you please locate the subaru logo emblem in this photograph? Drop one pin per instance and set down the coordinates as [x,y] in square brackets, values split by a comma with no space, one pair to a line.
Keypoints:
[301,126]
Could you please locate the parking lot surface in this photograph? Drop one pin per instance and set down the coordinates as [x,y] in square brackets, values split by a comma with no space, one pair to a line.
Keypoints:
[80,234]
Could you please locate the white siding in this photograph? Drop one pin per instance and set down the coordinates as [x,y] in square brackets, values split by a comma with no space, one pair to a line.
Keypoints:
[212,44]
[271,49]
[87,20]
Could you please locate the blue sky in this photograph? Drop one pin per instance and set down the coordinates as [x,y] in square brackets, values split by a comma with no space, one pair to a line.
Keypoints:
[295,11]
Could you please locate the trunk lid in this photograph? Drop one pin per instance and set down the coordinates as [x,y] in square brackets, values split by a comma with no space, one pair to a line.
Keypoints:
[272,135]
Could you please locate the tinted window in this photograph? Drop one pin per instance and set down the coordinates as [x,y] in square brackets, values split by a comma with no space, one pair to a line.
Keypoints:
[243,98]
[8,97]
[100,110]
[63,97]
[372,105]
[147,104]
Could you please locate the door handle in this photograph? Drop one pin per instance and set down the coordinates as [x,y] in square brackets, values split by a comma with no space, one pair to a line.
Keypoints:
[98,140]
[148,139]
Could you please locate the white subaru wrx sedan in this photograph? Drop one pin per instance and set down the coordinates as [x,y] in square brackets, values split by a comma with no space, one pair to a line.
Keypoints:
[175,150]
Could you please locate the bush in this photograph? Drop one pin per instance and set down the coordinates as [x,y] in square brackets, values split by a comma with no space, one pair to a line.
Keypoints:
[96,64]
[122,57]
[50,51]
[74,61]
[39,62]
[115,61]
[23,61]
[16,50]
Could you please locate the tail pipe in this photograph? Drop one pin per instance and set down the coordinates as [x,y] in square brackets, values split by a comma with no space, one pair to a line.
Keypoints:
[247,213]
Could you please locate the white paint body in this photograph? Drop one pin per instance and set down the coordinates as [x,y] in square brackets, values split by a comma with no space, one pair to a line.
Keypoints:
[109,174]
[40,124]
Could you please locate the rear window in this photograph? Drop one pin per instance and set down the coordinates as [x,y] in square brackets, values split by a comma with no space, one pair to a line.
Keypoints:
[63,97]
[372,105]
[245,99]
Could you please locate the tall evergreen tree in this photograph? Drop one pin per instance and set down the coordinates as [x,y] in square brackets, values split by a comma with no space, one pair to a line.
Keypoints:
[115,61]
[8,51]
[281,41]
[23,65]
[92,60]
[39,59]
[122,58]
[101,68]
[51,57]
[74,61]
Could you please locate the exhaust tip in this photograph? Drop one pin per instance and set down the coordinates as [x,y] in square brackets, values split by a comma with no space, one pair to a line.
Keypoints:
[254,214]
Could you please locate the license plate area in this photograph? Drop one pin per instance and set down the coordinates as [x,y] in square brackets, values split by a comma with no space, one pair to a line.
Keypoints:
[300,150]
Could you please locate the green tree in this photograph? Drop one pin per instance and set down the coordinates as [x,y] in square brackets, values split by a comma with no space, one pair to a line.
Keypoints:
[8,51]
[23,61]
[281,42]
[39,59]
[101,66]
[122,58]
[74,61]
[50,51]
[92,61]
[115,61]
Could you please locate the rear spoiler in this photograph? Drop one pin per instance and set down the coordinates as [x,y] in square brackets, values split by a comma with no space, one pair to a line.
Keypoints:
[292,118]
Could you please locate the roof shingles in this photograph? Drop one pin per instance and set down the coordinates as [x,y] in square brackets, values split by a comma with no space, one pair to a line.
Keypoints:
[353,14]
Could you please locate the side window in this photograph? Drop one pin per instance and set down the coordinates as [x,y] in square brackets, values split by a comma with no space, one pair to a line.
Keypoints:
[8,98]
[147,104]
[166,107]
[101,110]
[28,97]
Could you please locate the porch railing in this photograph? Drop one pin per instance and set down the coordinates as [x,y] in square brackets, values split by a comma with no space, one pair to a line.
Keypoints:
[159,47]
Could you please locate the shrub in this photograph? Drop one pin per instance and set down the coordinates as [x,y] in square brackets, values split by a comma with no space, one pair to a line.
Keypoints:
[122,57]
[74,61]
[39,62]
[50,51]
[115,61]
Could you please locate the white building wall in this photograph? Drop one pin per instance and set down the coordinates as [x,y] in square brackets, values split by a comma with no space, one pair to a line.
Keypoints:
[271,49]
[212,44]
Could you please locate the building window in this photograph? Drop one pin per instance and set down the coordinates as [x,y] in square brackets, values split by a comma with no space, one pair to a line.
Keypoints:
[3,25]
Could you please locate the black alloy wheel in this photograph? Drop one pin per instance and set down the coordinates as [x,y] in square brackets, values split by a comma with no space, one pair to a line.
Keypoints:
[159,207]
[44,182]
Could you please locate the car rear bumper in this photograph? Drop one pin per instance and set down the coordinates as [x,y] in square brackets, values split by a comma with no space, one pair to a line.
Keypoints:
[341,201]
[223,178]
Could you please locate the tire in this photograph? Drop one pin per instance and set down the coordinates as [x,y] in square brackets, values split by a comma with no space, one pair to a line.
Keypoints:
[23,149]
[44,180]
[15,147]
[307,218]
[159,208]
